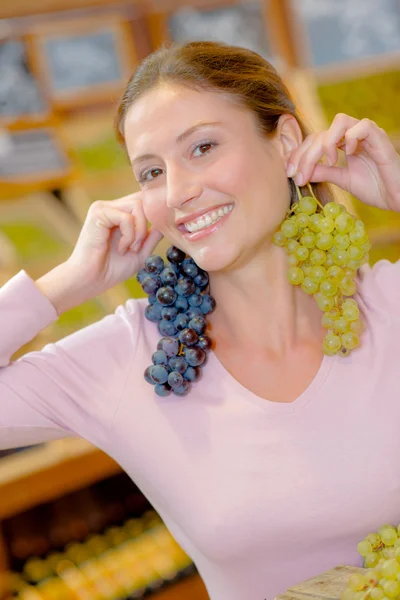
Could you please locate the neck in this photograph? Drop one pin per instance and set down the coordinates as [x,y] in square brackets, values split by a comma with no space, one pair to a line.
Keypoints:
[258,307]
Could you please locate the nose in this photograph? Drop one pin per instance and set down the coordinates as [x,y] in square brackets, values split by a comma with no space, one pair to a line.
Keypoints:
[182,186]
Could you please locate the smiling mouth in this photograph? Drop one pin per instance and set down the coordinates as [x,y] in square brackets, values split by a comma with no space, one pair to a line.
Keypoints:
[206,220]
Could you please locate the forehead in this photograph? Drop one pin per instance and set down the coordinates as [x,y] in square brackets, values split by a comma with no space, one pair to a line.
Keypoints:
[172,109]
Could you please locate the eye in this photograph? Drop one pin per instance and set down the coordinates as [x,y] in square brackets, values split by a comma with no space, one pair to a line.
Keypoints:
[149,175]
[204,148]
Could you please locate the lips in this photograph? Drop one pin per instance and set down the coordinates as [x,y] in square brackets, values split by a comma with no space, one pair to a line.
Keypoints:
[199,213]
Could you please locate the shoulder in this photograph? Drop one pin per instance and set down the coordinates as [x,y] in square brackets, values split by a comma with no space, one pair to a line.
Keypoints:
[378,287]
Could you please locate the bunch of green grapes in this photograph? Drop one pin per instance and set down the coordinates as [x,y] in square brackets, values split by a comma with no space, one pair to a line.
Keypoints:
[326,245]
[381,557]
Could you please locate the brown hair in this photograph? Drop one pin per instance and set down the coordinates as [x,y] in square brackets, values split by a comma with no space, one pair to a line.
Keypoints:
[239,73]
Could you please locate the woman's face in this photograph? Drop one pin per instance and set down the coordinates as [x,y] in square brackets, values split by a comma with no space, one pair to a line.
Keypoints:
[210,182]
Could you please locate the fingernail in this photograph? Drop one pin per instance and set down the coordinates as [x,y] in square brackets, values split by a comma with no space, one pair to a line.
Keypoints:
[299,179]
[290,170]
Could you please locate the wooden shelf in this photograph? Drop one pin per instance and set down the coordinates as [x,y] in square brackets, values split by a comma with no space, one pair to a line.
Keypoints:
[47,472]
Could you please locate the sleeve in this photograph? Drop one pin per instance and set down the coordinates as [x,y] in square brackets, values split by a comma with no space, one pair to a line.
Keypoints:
[69,388]
[379,286]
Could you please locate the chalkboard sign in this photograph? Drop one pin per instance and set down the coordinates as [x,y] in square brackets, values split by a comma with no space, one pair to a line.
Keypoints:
[342,30]
[19,91]
[240,25]
[32,154]
[84,60]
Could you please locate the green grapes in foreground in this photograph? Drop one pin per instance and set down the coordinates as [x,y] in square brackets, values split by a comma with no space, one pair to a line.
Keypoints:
[325,247]
[381,557]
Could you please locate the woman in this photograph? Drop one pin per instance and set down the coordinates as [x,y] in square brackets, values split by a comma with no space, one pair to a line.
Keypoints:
[281,459]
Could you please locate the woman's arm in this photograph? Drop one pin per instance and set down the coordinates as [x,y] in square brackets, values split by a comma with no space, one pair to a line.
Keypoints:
[71,387]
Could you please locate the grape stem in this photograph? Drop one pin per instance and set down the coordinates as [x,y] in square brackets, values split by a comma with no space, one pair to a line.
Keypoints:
[312,194]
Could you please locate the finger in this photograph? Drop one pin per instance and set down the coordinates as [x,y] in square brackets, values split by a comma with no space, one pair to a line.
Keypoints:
[141,228]
[367,131]
[325,143]
[106,217]
[297,153]
[337,175]
[154,236]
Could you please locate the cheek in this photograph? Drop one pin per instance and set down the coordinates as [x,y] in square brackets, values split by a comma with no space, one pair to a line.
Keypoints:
[155,208]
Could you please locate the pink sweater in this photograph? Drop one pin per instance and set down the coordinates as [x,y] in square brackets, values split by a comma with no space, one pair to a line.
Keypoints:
[260,494]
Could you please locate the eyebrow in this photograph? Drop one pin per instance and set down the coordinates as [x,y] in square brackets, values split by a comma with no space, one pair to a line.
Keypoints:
[181,137]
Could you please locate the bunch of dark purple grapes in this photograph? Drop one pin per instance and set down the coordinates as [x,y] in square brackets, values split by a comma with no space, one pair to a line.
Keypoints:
[179,301]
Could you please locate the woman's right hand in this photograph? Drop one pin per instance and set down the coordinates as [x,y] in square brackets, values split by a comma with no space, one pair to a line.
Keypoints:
[113,244]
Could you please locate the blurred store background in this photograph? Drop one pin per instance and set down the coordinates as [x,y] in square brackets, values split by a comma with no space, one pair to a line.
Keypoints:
[73,526]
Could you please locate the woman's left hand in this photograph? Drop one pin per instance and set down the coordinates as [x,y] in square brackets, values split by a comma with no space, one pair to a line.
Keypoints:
[372,170]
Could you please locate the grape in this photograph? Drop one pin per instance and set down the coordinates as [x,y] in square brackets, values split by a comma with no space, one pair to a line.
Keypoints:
[309,285]
[208,304]
[154,264]
[162,389]
[159,358]
[169,313]
[152,298]
[340,257]
[317,257]
[341,241]
[364,548]
[152,314]
[185,287]
[183,389]
[175,255]
[344,223]
[170,346]
[328,288]
[178,363]
[141,275]
[188,337]
[201,279]
[355,252]
[302,220]
[175,379]
[335,273]
[314,223]
[148,377]
[181,321]
[194,356]
[192,373]
[189,268]
[293,261]
[199,324]
[194,311]
[318,273]
[358,237]
[350,312]
[325,303]
[195,300]
[279,239]
[204,342]
[289,228]
[151,284]
[295,275]
[166,328]
[308,205]
[158,373]
[332,210]
[302,253]
[166,296]
[327,225]
[308,239]
[331,343]
[168,276]
[347,286]
[181,304]
[324,241]
[292,245]
[388,534]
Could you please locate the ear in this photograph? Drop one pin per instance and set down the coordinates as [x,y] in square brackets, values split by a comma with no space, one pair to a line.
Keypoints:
[288,136]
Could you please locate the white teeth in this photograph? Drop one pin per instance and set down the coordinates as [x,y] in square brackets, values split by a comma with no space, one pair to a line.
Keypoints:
[208,219]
